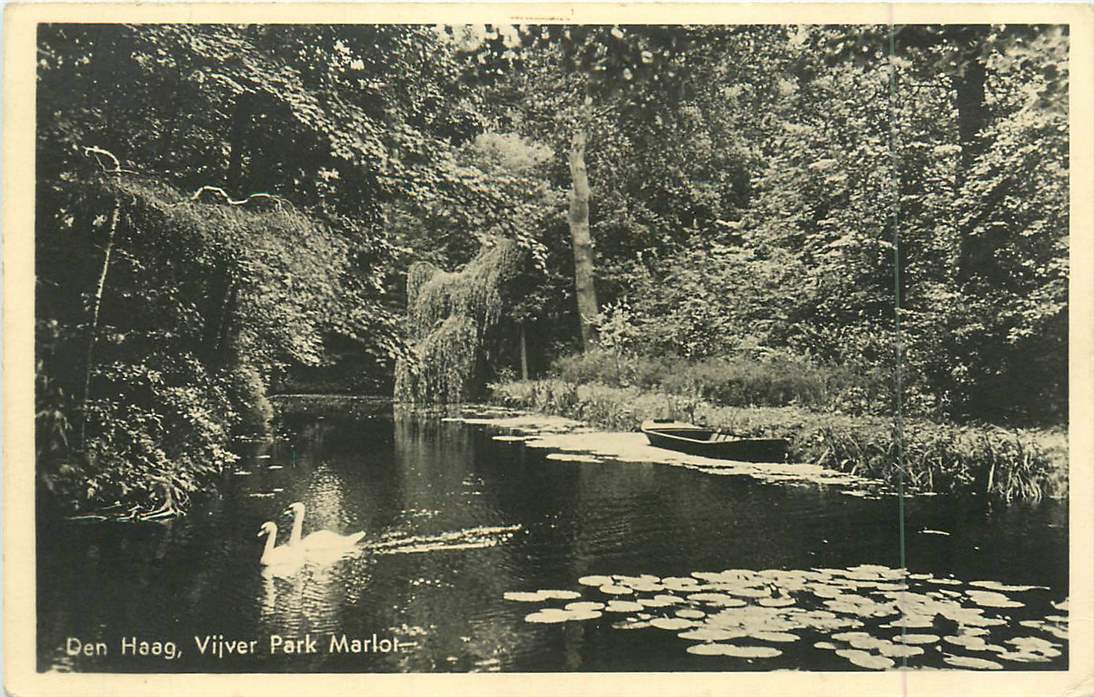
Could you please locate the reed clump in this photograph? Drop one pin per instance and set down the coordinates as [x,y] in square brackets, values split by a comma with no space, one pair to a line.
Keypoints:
[999,463]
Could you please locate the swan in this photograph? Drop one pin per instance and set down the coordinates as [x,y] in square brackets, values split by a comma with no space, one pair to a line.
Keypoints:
[283,556]
[325,540]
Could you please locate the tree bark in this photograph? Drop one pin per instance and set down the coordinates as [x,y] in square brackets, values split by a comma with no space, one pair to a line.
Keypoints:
[240,118]
[584,260]
[523,352]
[96,308]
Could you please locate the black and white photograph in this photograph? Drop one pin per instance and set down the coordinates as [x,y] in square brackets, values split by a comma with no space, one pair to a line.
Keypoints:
[549,346]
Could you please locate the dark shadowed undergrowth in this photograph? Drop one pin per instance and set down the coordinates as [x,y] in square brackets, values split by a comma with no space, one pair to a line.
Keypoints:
[775,380]
[1005,464]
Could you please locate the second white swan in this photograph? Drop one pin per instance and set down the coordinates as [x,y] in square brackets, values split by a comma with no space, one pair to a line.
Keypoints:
[325,540]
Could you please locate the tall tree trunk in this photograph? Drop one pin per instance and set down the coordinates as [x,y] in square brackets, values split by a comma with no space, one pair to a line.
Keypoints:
[584,261]
[221,354]
[523,352]
[240,117]
[222,294]
[93,330]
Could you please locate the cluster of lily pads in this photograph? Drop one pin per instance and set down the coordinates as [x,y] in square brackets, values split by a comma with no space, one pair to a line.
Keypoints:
[872,616]
[573,441]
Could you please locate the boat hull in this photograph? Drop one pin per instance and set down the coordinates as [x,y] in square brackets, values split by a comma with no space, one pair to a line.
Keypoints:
[694,440]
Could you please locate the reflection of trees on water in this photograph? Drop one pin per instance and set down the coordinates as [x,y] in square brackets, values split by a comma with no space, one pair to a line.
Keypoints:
[439,472]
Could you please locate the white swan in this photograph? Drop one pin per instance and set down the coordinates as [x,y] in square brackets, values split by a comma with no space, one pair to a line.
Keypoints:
[320,540]
[283,557]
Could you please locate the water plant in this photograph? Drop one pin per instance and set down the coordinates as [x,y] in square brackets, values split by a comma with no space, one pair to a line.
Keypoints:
[990,461]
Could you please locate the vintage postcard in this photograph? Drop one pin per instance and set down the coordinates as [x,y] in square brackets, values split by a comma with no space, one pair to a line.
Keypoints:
[547,349]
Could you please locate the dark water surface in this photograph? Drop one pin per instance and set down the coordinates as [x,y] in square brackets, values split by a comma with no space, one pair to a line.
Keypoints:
[440,501]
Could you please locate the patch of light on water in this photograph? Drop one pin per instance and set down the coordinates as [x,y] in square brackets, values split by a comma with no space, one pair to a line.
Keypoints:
[871,616]
[470,538]
[573,441]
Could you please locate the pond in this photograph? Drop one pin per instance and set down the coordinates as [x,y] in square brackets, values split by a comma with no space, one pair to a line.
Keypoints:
[491,554]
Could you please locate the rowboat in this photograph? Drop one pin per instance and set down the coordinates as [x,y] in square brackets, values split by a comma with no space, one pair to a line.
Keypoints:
[696,440]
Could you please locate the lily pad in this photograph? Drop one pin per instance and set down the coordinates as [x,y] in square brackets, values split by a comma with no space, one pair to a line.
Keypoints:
[707,649]
[972,662]
[899,651]
[973,643]
[776,637]
[734,650]
[751,651]
[584,605]
[710,634]
[1023,657]
[672,623]
[659,601]
[678,583]
[992,599]
[746,592]
[869,643]
[690,614]
[775,602]
[595,580]
[559,594]
[581,615]
[825,591]
[944,581]
[613,589]
[715,599]
[912,622]
[866,660]
[623,606]
[917,638]
[996,586]
[548,616]
[1029,644]
[524,596]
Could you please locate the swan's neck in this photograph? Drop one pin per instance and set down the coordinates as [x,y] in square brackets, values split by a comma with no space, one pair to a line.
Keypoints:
[271,540]
[297,527]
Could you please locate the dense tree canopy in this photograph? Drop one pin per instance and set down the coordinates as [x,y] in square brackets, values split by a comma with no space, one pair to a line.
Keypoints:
[221,207]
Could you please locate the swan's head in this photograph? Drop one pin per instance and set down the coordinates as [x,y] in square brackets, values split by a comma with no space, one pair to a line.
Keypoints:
[268,528]
[295,508]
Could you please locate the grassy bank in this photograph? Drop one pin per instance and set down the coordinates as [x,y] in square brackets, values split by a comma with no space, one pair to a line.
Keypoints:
[1007,464]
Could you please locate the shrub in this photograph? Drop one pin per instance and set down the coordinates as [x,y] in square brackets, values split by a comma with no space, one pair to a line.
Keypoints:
[774,380]
[1007,464]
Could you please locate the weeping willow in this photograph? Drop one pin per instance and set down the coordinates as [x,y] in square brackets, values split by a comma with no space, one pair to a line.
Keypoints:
[453,320]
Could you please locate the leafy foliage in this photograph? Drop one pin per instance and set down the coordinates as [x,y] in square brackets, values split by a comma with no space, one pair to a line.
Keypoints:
[849,217]
[454,318]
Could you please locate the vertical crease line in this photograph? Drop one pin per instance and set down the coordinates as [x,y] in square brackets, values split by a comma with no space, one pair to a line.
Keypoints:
[898,422]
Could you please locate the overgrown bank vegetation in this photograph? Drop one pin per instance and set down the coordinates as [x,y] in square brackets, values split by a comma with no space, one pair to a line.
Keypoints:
[1005,464]
[714,213]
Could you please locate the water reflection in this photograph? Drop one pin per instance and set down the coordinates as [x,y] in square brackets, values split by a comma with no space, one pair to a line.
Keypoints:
[455,519]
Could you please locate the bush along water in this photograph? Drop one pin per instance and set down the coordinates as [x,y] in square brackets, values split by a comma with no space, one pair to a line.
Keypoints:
[1003,464]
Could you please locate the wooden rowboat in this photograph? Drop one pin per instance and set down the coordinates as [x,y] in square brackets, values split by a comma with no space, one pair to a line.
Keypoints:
[696,440]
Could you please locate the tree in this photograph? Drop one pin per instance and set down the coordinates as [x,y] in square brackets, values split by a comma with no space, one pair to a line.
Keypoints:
[245,234]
